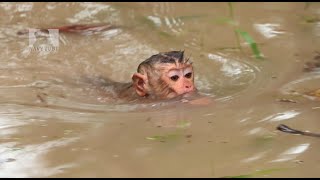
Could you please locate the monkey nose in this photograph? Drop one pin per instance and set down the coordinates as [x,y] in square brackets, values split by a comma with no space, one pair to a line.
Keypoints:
[188,88]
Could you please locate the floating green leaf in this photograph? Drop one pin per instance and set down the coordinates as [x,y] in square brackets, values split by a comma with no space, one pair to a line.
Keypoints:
[162,138]
[183,124]
[309,19]
[165,34]
[251,42]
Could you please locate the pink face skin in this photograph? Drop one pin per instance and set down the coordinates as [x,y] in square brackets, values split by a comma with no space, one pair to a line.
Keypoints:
[179,78]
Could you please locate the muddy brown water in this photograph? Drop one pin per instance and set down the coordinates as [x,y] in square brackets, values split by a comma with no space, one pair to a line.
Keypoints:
[54,124]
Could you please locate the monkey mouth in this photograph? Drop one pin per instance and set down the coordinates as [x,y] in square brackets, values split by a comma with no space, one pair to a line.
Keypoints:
[188,94]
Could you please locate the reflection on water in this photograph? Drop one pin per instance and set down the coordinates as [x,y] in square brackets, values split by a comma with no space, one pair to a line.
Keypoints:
[305,86]
[268,30]
[56,123]
[26,162]
[255,157]
[281,116]
[292,153]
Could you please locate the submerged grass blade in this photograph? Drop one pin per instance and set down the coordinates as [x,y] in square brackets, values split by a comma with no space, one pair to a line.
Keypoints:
[231,14]
[225,20]
[231,10]
[306,5]
[245,35]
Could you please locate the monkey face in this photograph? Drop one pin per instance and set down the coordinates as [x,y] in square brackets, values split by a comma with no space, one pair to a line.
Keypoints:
[180,80]
[165,81]
[164,76]
[170,80]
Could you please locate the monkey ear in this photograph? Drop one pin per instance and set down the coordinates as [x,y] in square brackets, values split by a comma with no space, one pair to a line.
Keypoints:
[139,83]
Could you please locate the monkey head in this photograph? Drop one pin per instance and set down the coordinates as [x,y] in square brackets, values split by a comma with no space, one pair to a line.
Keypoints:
[164,75]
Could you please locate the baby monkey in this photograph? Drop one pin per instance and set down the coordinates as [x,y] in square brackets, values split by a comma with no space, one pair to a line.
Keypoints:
[162,76]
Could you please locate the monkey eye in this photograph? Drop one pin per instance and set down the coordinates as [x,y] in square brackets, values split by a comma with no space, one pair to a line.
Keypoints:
[188,75]
[188,72]
[174,74]
[174,78]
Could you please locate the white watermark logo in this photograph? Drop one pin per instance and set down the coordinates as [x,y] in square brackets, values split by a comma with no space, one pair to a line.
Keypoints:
[44,40]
